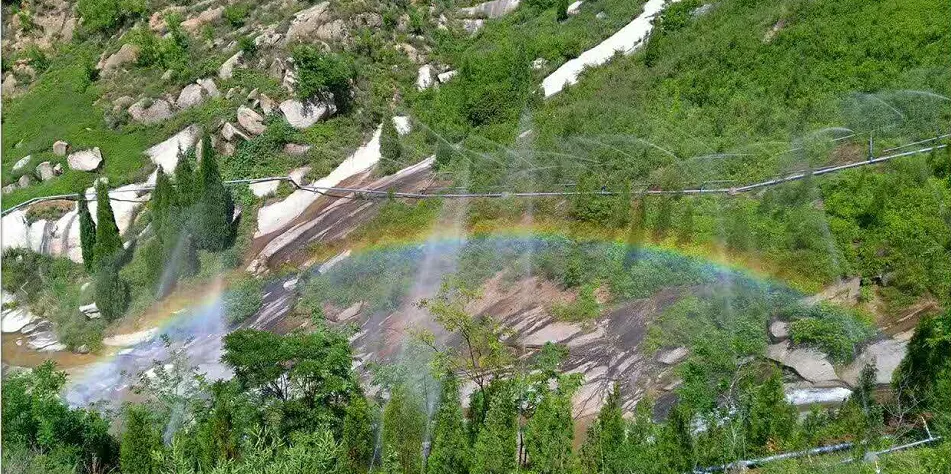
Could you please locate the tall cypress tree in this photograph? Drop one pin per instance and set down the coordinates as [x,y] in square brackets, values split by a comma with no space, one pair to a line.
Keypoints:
[139,440]
[390,148]
[108,241]
[403,426]
[356,442]
[601,451]
[216,207]
[187,188]
[111,292]
[549,434]
[87,232]
[449,447]
[494,450]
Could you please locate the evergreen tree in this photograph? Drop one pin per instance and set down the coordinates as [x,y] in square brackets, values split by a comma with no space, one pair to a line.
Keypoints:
[676,440]
[390,148]
[449,447]
[404,424]
[549,434]
[494,450]
[356,443]
[164,202]
[187,187]
[216,207]
[561,10]
[601,451]
[139,440]
[108,241]
[87,232]
[111,292]
[771,418]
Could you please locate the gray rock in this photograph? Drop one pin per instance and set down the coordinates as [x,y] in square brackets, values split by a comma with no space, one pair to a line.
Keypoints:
[267,104]
[424,78]
[306,22]
[127,54]
[230,132]
[539,63]
[885,354]
[276,69]
[779,330]
[226,71]
[301,115]
[267,39]
[472,25]
[601,16]
[673,356]
[168,75]
[368,20]
[90,311]
[22,162]
[24,181]
[191,95]
[83,349]
[492,9]
[444,77]
[411,52]
[85,160]
[208,84]
[10,188]
[9,86]
[45,171]
[250,120]
[334,31]
[157,112]
[60,148]
[58,169]
[809,363]
[295,149]
[211,15]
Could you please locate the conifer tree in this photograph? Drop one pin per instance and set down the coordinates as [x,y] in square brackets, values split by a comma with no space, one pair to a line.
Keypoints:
[111,292]
[601,451]
[164,201]
[139,440]
[108,241]
[390,148]
[549,434]
[561,10]
[449,447]
[216,207]
[186,183]
[87,232]
[403,428]
[494,450]
[771,418]
[356,443]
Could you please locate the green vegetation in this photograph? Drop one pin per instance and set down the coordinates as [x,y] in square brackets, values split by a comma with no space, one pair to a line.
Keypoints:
[831,329]
[243,299]
[324,76]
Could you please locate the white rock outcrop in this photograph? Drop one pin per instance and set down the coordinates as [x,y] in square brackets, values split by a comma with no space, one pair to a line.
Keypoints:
[625,41]
[165,154]
[402,124]
[301,115]
[85,160]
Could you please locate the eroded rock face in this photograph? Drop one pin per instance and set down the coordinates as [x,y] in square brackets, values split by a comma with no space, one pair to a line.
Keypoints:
[85,160]
[306,22]
[301,115]
[250,120]
[127,54]
[150,114]
[809,363]
[165,154]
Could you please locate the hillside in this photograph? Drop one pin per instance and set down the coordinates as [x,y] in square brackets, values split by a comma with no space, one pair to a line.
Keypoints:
[360,236]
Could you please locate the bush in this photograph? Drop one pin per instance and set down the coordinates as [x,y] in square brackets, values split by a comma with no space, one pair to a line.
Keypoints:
[836,331]
[324,76]
[584,308]
[107,15]
[243,300]
[236,14]
[112,293]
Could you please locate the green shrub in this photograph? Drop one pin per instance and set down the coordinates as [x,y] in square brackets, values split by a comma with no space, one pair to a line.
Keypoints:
[243,299]
[107,15]
[836,331]
[584,307]
[236,14]
[323,76]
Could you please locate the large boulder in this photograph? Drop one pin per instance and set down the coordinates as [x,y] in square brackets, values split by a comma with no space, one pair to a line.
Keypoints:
[152,113]
[127,54]
[22,162]
[211,15]
[9,87]
[165,154]
[301,115]
[194,94]
[24,181]
[85,160]
[60,148]
[229,132]
[306,22]
[809,363]
[226,71]
[45,171]
[334,31]
[250,120]
[425,77]
[886,354]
